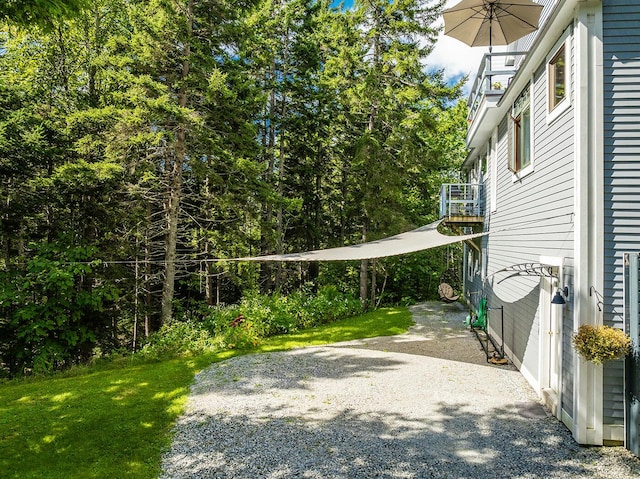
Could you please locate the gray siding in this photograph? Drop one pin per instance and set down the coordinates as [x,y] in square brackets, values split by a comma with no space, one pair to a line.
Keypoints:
[621,55]
[533,219]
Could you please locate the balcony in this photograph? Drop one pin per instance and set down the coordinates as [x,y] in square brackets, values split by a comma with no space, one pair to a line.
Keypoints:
[493,78]
[462,204]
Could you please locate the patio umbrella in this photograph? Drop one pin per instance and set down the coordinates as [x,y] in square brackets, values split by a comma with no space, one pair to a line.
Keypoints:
[491,22]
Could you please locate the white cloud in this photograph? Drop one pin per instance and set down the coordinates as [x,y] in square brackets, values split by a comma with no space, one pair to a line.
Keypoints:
[455,58]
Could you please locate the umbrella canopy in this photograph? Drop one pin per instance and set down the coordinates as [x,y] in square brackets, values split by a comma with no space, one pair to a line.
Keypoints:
[491,22]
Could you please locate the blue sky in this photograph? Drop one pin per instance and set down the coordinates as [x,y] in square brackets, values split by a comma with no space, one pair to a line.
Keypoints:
[347,3]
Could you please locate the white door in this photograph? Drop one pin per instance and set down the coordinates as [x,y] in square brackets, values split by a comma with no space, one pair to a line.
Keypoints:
[550,342]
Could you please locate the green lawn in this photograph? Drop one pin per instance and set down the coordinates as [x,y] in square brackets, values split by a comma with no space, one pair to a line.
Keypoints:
[115,422]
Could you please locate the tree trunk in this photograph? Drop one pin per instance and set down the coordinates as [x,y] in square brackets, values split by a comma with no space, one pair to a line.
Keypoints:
[172,211]
[373,283]
[172,206]
[147,274]
[208,269]
[208,285]
[136,302]
[364,284]
[314,267]
[269,140]
[364,269]
[364,265]
[279,212]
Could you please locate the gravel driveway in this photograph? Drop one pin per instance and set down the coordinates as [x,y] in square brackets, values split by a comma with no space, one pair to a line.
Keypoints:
[421,405]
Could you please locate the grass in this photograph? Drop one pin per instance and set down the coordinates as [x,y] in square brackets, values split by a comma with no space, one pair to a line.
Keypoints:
[115,422]
[382,322]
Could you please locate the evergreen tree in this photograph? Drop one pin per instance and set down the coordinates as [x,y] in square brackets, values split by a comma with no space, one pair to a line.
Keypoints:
[387,96]
[142,143]
[43,13]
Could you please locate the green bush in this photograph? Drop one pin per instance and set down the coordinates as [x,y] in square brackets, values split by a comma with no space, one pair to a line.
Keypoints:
[179,339]
[52,310]
[242,335]
[279,314]
[243,326]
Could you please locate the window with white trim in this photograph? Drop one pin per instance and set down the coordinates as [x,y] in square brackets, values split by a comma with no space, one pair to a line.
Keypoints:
[557,77]
[494,171]
[520,133]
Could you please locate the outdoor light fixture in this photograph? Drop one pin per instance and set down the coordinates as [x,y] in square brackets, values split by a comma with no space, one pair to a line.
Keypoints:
[561,296]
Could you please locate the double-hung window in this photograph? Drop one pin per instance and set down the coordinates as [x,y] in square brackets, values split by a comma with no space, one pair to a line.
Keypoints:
[520,133]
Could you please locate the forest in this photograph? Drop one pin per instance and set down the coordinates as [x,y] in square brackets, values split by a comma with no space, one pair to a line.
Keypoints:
[146,144]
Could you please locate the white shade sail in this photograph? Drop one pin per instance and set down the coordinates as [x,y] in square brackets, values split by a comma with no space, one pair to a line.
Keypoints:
[425,237]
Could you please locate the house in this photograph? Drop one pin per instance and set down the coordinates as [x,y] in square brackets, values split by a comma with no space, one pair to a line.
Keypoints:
[554,163]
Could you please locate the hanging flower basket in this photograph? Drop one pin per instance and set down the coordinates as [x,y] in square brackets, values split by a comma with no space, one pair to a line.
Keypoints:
[601,343]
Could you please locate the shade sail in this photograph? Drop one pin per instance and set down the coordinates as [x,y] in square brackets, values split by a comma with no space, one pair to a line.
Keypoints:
[425,237]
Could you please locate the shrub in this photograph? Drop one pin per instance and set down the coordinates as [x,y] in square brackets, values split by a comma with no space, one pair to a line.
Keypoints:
[241,335]
[271,315]
[243,326]
[179,339]
[52,310]
[601,343]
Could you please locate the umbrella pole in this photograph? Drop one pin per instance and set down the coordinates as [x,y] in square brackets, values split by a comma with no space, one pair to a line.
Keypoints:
[492,12]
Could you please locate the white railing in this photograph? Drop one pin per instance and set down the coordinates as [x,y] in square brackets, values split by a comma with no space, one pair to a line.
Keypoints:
[461,199]
[494,75]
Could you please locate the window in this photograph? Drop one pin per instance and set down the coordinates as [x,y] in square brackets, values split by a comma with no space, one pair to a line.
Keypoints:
[493,176]
[557,78]
[520,134]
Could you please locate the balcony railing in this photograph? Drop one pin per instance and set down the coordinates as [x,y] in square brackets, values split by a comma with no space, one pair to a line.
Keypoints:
[494,75]
[462,202]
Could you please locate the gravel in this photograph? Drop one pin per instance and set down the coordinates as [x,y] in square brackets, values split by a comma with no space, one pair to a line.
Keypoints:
[394,407]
